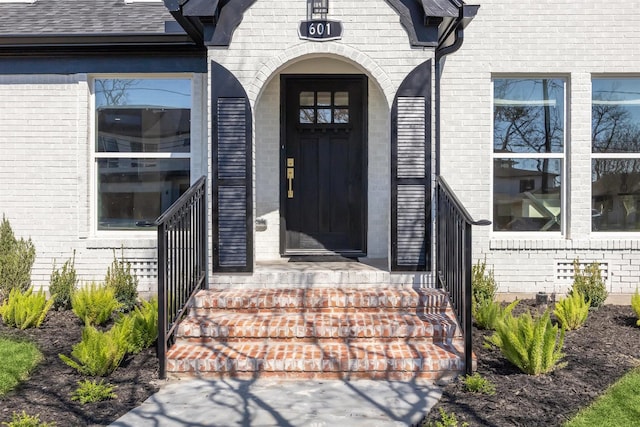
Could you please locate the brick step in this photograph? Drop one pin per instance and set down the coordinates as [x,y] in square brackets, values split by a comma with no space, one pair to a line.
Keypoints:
[223,325]
[397,360]
[426,300]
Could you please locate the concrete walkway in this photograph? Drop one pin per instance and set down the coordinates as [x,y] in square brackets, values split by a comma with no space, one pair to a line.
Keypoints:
[270,402]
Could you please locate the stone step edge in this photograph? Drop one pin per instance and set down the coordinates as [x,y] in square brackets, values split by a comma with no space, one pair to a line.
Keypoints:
[296,298]
[317,325]
[315,357]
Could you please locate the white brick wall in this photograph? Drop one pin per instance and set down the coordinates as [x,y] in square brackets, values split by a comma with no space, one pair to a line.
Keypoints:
[570,39]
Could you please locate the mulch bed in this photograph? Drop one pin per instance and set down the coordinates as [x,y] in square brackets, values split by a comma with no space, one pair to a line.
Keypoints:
[48,390]
[597,355]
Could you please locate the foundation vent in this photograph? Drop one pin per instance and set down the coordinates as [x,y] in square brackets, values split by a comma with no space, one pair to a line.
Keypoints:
[145,269]
[564,270]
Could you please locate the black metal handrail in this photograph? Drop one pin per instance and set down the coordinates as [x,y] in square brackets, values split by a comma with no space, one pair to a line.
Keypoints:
[182,261]
[453,259]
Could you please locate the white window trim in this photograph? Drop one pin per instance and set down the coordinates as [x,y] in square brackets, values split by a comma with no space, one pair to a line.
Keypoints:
[563,156]
[145,238]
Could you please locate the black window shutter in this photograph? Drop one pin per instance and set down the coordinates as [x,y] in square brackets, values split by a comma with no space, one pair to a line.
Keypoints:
[411,172]
[232,180]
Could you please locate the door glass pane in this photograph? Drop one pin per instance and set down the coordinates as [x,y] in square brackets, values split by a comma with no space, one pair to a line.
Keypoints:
[527,194]
[307,115]
[341,99]
[324,99]
[307,99]
[324,115]
[340,115]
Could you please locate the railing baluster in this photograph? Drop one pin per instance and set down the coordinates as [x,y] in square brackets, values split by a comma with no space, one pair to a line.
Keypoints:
[181,241]
[453,259]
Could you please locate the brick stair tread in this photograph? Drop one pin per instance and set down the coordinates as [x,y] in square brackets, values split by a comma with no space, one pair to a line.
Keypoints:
[278,356]
[390,324]
[327,298]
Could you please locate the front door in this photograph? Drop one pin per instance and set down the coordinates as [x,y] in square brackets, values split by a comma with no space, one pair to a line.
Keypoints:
[323,167]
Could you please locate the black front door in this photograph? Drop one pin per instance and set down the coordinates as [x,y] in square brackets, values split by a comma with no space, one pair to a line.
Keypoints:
[323,167]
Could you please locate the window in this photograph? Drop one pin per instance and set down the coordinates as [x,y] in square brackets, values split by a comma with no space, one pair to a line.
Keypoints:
[324,107]
[143,149]
[528,159]
[615,160]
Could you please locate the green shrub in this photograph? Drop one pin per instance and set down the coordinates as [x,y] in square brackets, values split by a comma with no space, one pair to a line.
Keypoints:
[25,309]
[572,311]
[94,304]
[24,420]
[488,313]
[16,260]
[483,283]
[635,303]
[93,391]
[98,354]
[63,284]
[446,420]
[476,383]
[589,283]
[533,345]
[140,327]
[123,282]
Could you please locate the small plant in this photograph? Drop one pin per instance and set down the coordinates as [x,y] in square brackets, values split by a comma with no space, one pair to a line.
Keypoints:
[446,420]
[488,313]
[123,282]
[25,309]
[635,304]
[25,420]
[483,283]
[94,304]
[63,284]
[93,391]
[98,354]
[589,283]
[16,260]
[572,311]
[140,327]
[533,345]
[476,383]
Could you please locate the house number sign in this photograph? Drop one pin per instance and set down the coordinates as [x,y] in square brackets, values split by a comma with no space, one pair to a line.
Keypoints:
[320,30]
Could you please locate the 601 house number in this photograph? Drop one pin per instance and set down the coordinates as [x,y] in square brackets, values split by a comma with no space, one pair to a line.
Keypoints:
[320,30]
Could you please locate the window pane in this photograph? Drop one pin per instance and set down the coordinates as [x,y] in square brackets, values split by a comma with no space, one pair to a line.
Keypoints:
[307,115]
[135,115]
[341,115]
[527,194]
[307,99]
[324,99]
[324,115]
[615,195]
[528,116]
[341,99]
[615,115]
[157,130]
[134,192]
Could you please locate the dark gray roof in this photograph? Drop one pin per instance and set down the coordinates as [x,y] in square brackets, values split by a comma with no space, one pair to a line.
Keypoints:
[83,17]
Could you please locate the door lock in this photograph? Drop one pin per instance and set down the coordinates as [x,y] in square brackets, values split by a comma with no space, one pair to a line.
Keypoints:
[290,175]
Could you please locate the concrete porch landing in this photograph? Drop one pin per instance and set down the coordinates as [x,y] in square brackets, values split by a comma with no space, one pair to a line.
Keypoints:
[308,274]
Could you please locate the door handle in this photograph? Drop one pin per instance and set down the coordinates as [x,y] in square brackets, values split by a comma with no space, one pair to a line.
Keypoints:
[290,175]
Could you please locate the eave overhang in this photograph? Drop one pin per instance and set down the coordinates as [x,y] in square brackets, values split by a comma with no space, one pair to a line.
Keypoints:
[209,22]
[433,23]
